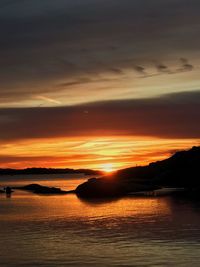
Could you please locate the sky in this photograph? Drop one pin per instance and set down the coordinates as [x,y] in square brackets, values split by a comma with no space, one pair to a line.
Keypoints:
[95,83]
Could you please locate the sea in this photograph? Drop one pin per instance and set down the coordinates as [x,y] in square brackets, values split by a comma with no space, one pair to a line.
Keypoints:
[64,230]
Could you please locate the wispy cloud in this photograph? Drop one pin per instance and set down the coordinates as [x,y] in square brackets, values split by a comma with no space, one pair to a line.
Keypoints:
[46,43]
[186,66]
[140,70]
[47,99]
[164,69]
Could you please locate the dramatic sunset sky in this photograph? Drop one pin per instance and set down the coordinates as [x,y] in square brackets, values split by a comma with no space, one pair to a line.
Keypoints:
[101,84]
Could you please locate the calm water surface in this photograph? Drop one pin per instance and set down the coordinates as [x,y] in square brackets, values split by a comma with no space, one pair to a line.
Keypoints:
[66,231]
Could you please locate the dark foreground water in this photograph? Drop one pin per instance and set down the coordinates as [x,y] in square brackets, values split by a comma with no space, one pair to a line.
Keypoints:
[66,231]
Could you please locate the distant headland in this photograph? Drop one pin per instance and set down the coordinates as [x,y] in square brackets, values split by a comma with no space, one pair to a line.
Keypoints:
[48,171]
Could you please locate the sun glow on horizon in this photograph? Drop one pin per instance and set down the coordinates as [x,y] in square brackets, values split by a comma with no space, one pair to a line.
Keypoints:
[105,153]
[108,168]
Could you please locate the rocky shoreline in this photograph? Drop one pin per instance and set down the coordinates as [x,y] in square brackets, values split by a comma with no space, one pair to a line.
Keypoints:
[177,175]
[179,171]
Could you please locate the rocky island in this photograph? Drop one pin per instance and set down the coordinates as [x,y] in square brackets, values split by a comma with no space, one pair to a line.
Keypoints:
[44,190]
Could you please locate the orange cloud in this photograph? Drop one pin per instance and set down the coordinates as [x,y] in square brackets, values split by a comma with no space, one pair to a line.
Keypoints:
[89,152]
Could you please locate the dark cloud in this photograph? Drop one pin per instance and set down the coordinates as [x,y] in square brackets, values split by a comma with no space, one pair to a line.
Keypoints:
[162,68]
[8,3]
[186,66]
[77,82]
[116,71]
[82,81]
[140,70]
[170,116]
[40,38]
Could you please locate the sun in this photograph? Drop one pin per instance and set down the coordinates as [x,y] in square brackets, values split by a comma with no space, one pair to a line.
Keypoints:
[108,168]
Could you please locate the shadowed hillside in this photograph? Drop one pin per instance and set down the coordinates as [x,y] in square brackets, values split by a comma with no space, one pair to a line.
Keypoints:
[180,170]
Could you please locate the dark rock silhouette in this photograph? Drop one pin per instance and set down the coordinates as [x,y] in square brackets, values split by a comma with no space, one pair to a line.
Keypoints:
[182,170]
[8,190]
[39,189]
